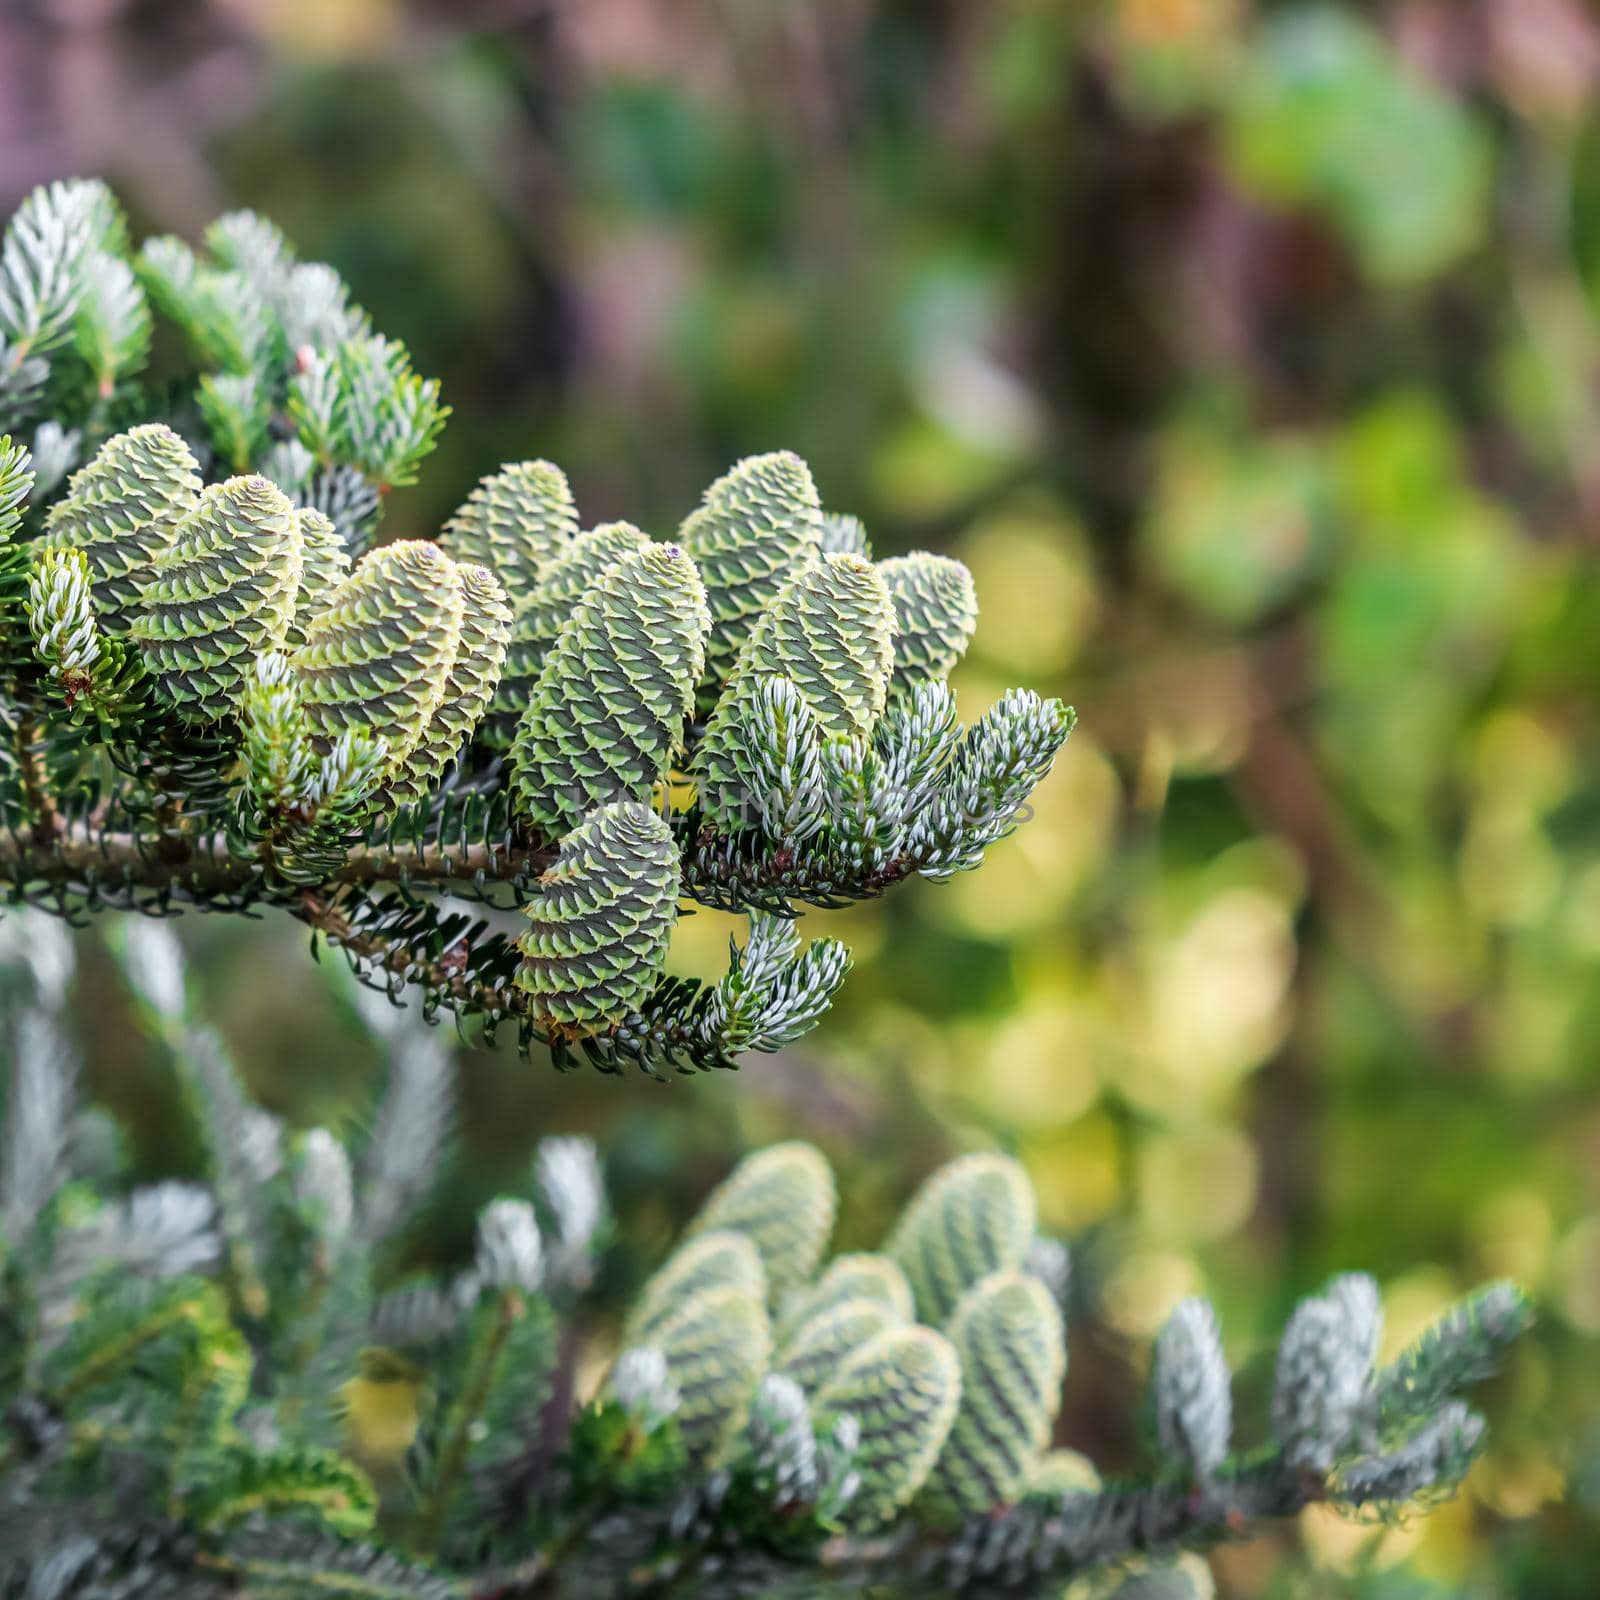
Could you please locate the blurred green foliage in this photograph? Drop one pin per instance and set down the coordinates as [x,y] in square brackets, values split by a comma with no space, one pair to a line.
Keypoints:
[1249,355]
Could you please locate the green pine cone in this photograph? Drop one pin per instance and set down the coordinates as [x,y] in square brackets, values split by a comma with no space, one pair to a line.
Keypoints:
[814,1353]
[515,523]
[756,527]
[716,1349]
[974,1216]
[377,656]
[222,593]
[935,611]
[783,1200]
[903,1387]
[324,565]
[1008,1335]
[607,713]
[843,534]
[565,583]
[859,1276]
[122,510]
[601,920]
[720,1260]
[480,654]
[830,632]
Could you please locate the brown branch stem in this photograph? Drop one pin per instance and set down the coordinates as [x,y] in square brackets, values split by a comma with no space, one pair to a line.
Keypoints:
[47,822]
[1031,1547]
[73,853]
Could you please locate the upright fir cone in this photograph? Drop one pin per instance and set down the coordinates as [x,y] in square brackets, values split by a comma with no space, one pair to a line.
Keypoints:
[600,921]
[783,1199]
[485,628]
[608,711]
[566,582]
[716,1349]
[903,1387]
[121,510]
[1008,1335]
[935,611]
[222,593]
[813,1353]
[720,1260]
[974,1216]
[324,565]
[757,526]
[516,522]
[860,1275]
[830,632]
[377,657]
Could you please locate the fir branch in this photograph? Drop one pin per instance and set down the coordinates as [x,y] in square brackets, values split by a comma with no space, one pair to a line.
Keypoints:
[1464,1347]
[242,1142]
[81,854]
[902,1459]
[483,1372]
[403,958]
[34,1151]
[412,1127]
[285,727]
[314,1565]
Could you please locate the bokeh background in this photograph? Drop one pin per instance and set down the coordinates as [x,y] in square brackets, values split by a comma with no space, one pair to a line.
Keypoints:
[1250,355]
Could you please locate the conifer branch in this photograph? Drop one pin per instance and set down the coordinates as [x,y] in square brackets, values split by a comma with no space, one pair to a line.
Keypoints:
[468,1415]
[226,694]
[880,1421]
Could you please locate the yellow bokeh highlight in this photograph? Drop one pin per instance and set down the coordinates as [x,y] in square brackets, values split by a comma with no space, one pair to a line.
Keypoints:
[1511,870]
[318,30]
[1510,1233]
[1438,1546]
[1430,957]
[1527,1034]
[1576,1273]
[1038,1063]
[1140,1294]
[1076,1173]
[1197,1184]
[1342,1544]
[1446,1551]
[1031,565]
[1211,1001]
[1516,757]
[1519,1484]
[699,947]
[1583,913]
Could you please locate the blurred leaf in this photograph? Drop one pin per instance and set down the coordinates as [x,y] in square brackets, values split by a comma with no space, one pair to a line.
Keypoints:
[1328,117]
[1237,528]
